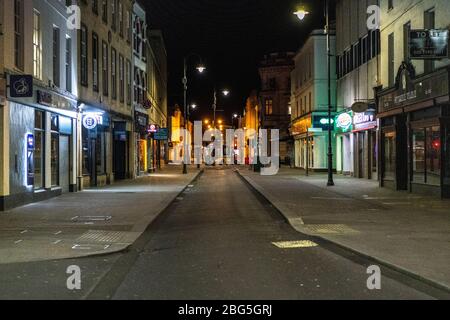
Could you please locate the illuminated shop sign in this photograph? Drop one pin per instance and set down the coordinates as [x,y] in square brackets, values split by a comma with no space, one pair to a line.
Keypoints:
[21,86]
[344,122]
[364,120]
[152,128]
[301,126]
[92,119]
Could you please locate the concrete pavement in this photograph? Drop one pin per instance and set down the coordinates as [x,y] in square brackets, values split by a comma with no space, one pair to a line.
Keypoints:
[95,221]
[405,231]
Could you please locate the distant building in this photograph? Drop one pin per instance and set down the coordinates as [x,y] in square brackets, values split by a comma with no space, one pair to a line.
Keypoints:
[275,73]
[251,124]
[157,95]
[309,102]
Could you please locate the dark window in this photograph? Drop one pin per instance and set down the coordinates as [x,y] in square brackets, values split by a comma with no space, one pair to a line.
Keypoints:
[105,72]
[83,56]
[406,30]
[113,15]
[69,64]
[95,62]
[56,56]
[113,73]
[391,59]
[121,79]
[105,11]
[128,82]
[95,6]
[18,34]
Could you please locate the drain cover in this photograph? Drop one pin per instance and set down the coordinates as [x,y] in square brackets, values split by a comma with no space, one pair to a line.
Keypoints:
[295,244]
[95,236]
[330,229]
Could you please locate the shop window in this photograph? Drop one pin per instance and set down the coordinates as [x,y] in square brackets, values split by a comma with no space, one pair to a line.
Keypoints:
[433,156]
[54,159]
[38,159]
[418,156]
[427,155]
[86,157]
[389,156]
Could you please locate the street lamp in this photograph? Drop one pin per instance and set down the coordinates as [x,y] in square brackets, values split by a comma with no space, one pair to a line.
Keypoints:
[225,93]
[301,14]
[235,116]
[201,68]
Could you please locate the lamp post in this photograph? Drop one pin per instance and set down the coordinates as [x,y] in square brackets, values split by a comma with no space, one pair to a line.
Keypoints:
[225,93]
[201,68]
[301,14]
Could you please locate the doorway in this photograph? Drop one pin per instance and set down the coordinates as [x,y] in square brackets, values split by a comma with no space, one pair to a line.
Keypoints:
[64,163]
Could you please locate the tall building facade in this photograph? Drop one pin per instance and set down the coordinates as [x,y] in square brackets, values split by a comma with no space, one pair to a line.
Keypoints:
[358,72]
[140,99]
[38,102]
[157,95]
[413,99]
[275,74]
[105,91]
[309,102]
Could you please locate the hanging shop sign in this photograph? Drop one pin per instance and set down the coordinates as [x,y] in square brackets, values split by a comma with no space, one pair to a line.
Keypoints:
[140,122]
[152,128]
[21,86]
[428,44]
[360,106]
[364,120]
[90,122]
[344,122]
[161,134]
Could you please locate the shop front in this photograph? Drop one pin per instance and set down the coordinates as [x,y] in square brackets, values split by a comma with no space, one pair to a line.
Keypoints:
[366,144]
[415,132]
[343,126]
[41,137]
[142,142]
[311,141]
[94,139]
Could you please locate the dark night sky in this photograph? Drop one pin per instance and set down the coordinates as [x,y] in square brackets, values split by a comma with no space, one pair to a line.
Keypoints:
[231,36]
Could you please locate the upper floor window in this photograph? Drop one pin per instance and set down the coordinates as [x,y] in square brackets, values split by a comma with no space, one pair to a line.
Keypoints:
[269,106]
[37,45]
[105,11]
[83,56]
[18,34]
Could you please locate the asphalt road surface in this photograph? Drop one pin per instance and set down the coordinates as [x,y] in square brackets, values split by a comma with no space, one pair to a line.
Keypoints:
[216,241]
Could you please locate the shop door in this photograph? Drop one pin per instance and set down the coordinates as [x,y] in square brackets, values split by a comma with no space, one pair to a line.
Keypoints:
[445,158]
[120,155]
[64,163]
[361,138]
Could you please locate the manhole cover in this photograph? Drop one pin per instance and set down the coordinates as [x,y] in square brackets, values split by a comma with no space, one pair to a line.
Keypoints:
[93,236]
[330,229]
[295,244]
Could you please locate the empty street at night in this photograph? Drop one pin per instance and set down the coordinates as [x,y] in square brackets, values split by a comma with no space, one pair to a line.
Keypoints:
[216,159]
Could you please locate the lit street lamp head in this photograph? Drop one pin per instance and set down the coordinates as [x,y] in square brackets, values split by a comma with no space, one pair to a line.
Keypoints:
[301,14]
[201,68]
[226,92]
